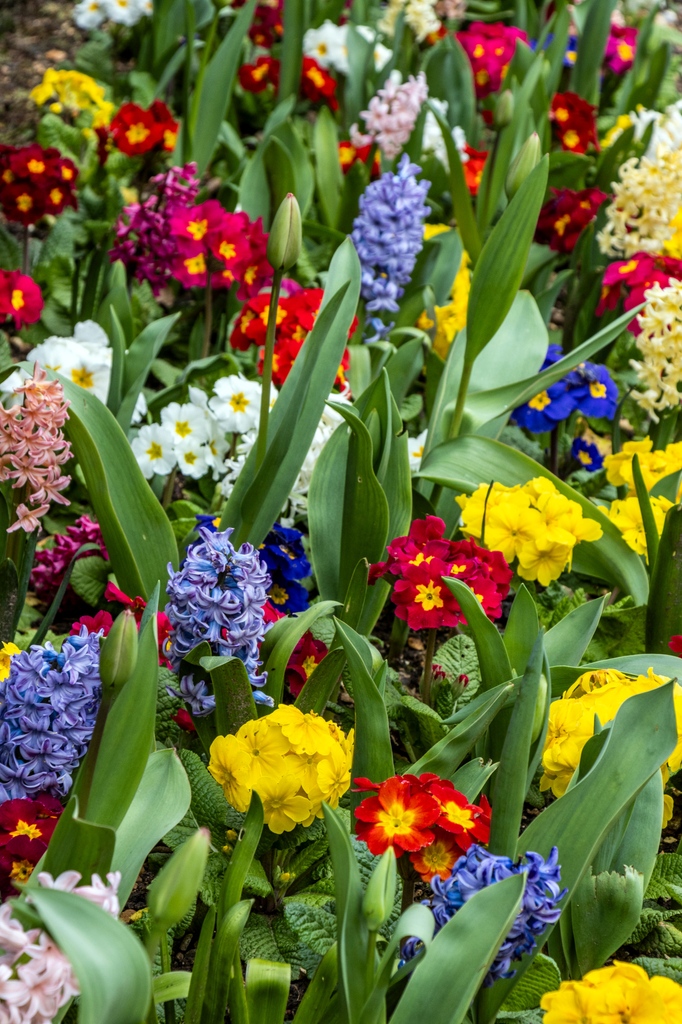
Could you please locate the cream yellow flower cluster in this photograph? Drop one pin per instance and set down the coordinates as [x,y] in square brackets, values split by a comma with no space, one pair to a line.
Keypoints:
[627,516]
[660,342]
[294,761]
[533,523]
[75,93]
[621,992]
[420,16]
[646,199]
[654,464]
[571,722]
[452,318]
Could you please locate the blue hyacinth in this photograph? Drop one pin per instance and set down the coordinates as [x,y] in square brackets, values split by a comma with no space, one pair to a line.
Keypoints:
[48,706]
[588,389]
[217,595]
[388,233]
[479,869]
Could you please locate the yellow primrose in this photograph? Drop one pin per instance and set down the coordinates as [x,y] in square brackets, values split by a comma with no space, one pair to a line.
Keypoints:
[230,766]
[627,516]
[509,527]
[623,992]
[75,92]
[305,733]
[6,652]
[543,560]
[284,807]
[265,745]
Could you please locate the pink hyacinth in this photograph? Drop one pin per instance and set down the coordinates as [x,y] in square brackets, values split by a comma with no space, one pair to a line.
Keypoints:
[392,115]
[144,240]
[104,896]
[36,979]
[51,563]
[33,448]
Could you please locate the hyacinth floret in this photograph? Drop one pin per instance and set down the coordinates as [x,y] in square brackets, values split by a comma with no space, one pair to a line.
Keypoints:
[388,234]
[48,706]
[218,595]
[479,868]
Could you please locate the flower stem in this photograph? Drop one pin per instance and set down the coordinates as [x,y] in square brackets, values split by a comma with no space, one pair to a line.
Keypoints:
[90,763]
[167,495]
[428,667]
[208,316]
[456,421]
[371,960]
[262,441]
[25,260]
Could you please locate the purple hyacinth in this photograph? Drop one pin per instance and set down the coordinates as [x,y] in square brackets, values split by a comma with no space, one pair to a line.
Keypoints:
[48,706]
[144,241]
[218,595]
[388,233]
[479,869]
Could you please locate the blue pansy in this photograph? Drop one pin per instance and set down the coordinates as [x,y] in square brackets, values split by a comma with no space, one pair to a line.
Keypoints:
[588,455]
[479,869]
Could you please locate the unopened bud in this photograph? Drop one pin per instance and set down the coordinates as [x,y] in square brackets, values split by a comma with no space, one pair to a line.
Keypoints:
[172,892]
[523,163]
[118,655]
[377,904]
[285,238]
[539,716]
[504,109]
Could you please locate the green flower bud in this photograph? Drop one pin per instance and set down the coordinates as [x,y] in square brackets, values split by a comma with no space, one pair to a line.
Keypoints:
[504,109]
[118,655]
[539,716]
[377,903]
[172,892]
[523,163]
[285,239]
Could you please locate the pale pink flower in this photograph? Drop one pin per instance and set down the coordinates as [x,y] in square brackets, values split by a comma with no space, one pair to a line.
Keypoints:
[101,894]
[392,114]
[33,447]
[36,979]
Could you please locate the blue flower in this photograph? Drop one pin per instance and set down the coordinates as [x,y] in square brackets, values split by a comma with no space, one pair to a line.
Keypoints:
[388,233]
[588,455]
[288,596]
[479,869]
[283,553]
[218,595]
[48,706]
[546,409]
[593,391]
[587,389]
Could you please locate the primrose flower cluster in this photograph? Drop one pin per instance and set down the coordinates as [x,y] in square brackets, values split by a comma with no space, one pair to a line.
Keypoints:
[588,389]
[532,524]
[417,564]
[294,761]
[571,722]
[622,991]
[423,816]
[478,869]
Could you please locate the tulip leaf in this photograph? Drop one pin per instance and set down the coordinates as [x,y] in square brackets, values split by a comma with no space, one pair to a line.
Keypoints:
[276,657]
[102,952]
[493,659]
[521,630]
[664,610]
[80,845]
[267,991]
[566,643]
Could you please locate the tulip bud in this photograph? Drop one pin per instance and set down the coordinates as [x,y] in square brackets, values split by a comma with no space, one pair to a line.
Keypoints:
[172,892]
[285,239]
[118,654]
[504,109]
[523,163]
[377,903]
[539,716]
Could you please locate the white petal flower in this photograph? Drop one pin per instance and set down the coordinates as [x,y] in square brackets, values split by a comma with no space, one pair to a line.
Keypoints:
[186,422]
[89,14]
[153,449]
[123,12]
[415,450]
[236,404]
[328,46]
[191,458]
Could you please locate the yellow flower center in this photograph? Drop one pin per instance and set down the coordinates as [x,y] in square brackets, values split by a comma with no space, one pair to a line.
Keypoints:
[428,596]
[24,829]
[197,229]
[239,402]
[137,133]
[278,594]
[597,389]
[24,202]
[309,665]
[183,428]
[571,139]
[196,264]
[540,401]
[21,870]
[155,451]
[36,166]
[17,301]
[82,377]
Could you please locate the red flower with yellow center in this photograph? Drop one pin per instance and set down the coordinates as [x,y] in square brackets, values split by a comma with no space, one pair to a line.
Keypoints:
[305,657]
[136,131]
[31,182]
[26,827]
[467,822]
[20,298]
[574,122]
[398,817]
[473,168]
[438,858]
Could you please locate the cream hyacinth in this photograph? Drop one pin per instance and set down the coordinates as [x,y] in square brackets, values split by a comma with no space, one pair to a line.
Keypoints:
[420,16]
[646,199]
[660,342]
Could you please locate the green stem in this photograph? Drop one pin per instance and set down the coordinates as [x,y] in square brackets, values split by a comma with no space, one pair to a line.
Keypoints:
[208,317]
[428,667]
[90,763]
[169,1006]
[371,960]
[457,415]
[262,441]
[168,488]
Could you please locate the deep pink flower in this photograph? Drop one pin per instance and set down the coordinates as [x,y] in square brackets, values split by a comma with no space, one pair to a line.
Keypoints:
[51,563]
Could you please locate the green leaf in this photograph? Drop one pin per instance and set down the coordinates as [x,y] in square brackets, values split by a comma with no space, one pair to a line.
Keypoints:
[466,462]
[586,74]
[620,631]
[471,940]
[664,610]
[319,687]
[200,968]
[138,363]
[233,693]
[102,951]
[294,23]
[472,777]
[314,1005]
[216,88]
[492,654]
[276,655]
[647,513]
[209,807]
[161,801]
[174,985]
[328,174]
[136,530]
[372,755]
[499,270]
[522,629]
[542,976]
[461,197]
[603,912]
[355,527]
[79,845]
[10,253]
[566,642]
[445,756]
[257,497]
[666,878]
[267,991]
[225,948]
[89,578]
[669,968]
[457,657]
[242,856]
